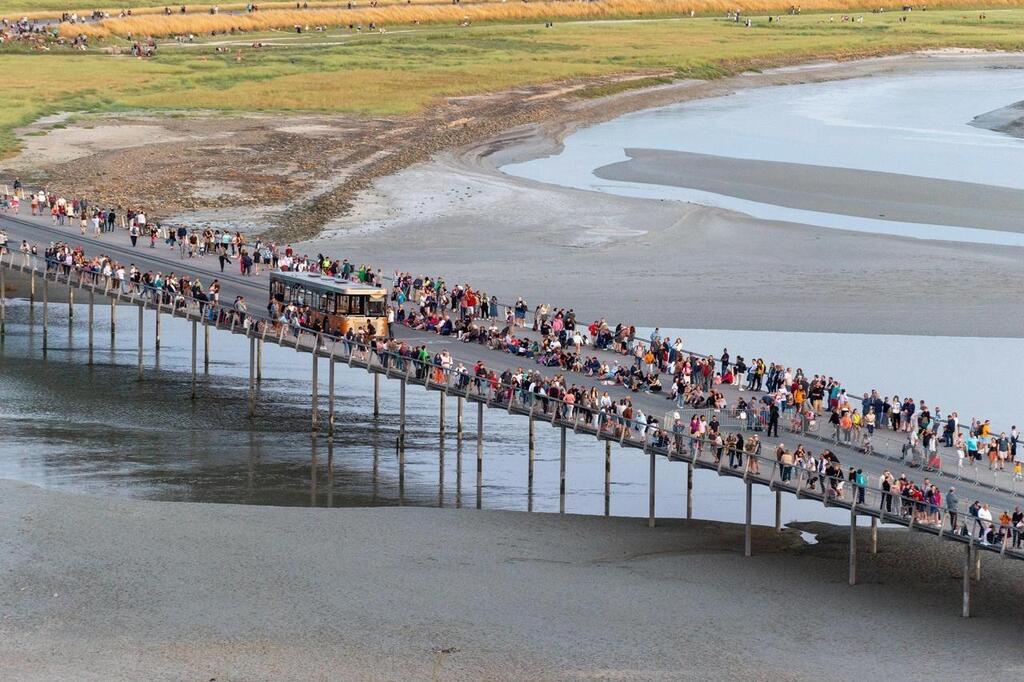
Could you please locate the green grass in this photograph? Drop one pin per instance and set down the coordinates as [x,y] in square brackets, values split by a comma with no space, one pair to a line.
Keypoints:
[401,73]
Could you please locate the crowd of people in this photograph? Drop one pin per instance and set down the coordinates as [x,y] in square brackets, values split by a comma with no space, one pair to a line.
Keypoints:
[657,364]
[558,341]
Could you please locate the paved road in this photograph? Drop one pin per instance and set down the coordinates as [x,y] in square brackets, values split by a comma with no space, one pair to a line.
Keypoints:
[254,288]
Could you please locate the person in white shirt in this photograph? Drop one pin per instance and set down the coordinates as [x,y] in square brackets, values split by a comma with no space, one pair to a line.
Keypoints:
[985,516]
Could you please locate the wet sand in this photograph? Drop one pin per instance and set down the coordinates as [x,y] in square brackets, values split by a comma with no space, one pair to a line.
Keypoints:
[104,588]
[845,191]
[672,264]
[1008,120]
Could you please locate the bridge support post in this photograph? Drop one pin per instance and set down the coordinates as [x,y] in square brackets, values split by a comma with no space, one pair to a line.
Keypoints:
[440,416]
[142,310]
[969,548]
[113,314]
[259,362]
[401,476]
[561,474]
[32,290]
[71,302]
[650,500]
[607,478]
[479,451]
[689,490]
[3,304]
[252,377]
[376,396]
[531,453]
[778,511]
[92,306]
[195,343]
[330,389]
[206,346]
[316,390]
[46,308]
[401,415]
[156,324]
[458,418]
[874,535]
[977,564]
[746,535]
[853,545]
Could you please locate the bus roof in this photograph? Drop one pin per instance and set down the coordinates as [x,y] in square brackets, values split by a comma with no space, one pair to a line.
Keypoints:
[316,282]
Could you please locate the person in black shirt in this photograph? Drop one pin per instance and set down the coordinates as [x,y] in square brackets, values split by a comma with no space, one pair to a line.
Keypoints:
[1015,519]
[773,420]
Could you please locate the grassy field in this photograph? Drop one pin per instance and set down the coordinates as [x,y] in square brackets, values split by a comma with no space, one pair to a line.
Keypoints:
[403,72]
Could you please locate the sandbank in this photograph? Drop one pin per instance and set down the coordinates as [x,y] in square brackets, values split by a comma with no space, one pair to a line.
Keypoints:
[105,588]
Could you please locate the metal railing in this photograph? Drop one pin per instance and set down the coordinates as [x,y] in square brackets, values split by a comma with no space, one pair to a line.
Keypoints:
[602,421]
[285,332]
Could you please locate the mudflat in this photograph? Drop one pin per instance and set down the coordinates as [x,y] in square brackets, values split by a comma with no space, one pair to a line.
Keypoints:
[845,191]
[674,264]
[106,588]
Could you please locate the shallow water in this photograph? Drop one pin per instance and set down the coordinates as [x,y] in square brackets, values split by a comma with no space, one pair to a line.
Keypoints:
[914,124]
[98,429]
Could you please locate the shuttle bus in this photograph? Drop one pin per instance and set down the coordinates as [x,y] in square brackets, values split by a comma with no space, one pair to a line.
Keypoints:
[337,303]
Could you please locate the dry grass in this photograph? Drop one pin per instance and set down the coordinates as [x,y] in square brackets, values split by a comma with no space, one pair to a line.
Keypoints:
[452,14]
[50,9]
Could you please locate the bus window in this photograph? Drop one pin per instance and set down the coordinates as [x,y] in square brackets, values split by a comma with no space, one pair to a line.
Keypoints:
[375,308]
[326,303]
[356,304]
[342,307]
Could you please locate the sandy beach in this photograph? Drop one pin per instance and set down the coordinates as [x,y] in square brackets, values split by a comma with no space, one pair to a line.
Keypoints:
[459,216]
[103,588]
